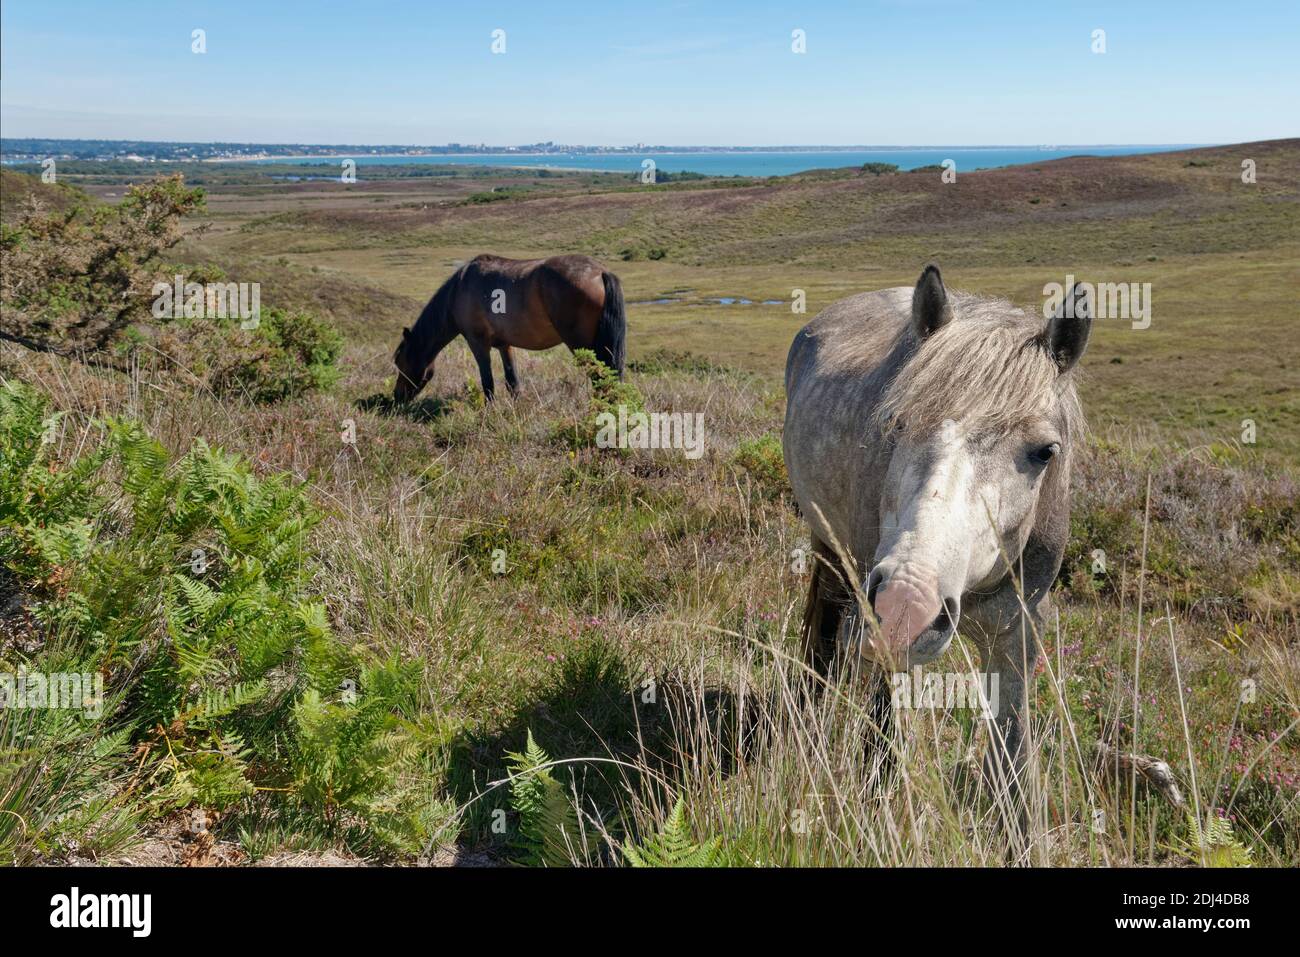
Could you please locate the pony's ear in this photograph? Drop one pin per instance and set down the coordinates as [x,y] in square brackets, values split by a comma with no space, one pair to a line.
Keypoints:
[406,331]
[1068,330]
[930,309]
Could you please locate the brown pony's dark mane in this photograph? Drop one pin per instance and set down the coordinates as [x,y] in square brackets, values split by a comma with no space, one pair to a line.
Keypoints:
[435,326]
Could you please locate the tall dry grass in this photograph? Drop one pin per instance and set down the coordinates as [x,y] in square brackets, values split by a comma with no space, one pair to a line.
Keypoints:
[644,627]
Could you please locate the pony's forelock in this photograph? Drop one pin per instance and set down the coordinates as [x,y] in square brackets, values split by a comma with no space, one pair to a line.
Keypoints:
[988,370]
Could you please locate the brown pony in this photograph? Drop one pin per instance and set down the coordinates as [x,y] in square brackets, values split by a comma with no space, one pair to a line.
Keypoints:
[498,303]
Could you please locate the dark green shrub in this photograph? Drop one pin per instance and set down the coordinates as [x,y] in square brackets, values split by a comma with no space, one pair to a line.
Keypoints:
[288,354]
[608,394]
[764,459]
[73,281]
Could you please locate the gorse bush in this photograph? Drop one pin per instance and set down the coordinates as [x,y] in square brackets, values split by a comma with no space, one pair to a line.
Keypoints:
[82,281]
[497,194]
[609,393]
[189,597]
[286,354]
[74,280]
[665,361]
[764,460]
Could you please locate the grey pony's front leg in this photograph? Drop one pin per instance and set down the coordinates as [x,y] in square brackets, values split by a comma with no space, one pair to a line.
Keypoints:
[1011,655]
[1008,630]
[1008,635]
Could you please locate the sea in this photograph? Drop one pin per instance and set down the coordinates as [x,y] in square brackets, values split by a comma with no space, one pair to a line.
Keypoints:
[759,162]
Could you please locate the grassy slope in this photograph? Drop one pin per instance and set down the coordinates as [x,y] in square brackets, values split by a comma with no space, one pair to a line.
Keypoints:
[623,569]
[1221,257]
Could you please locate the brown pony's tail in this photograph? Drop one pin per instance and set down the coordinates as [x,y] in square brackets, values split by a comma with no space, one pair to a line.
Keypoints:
[611,331]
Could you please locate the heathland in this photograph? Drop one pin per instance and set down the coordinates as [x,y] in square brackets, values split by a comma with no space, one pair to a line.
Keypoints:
[643,627]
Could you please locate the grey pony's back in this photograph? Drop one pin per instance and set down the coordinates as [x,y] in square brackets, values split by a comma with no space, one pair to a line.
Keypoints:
[837,370]
[849,335]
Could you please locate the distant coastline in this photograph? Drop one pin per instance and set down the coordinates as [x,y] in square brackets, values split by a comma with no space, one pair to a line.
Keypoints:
[748,162]
[713,161]
[685,150]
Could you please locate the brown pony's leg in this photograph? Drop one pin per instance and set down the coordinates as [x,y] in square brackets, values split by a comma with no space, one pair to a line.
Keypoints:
[508,364]
[483,356]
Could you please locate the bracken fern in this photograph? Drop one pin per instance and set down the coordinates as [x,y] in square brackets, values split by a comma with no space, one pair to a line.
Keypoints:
[548,833]
[674,845]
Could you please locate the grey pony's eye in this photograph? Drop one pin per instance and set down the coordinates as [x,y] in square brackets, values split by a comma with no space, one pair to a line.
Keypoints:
[1044,454]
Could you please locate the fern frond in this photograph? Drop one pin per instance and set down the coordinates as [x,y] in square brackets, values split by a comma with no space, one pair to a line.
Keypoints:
[1214,845]
[674,845]
[219,702]
[548,825]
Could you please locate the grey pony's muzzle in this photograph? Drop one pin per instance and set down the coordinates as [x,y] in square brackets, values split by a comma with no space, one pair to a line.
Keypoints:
[861,637]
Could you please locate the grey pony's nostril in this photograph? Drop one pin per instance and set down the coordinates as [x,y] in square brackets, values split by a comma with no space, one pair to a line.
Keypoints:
[874,581]
[948,616]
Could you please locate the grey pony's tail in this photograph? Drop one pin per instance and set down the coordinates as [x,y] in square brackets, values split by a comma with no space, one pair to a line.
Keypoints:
[611,331]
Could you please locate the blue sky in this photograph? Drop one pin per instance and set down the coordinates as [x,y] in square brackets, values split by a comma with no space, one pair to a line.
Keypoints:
[878,72]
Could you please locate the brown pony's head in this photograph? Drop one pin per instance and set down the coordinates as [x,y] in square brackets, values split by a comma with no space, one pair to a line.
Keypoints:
[414,368]
[421,343]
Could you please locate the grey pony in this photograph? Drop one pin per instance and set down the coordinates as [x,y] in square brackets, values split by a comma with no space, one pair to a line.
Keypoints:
[929,438]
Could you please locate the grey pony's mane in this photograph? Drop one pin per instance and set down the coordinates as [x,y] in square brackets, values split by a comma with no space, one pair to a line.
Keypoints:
[988,370]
